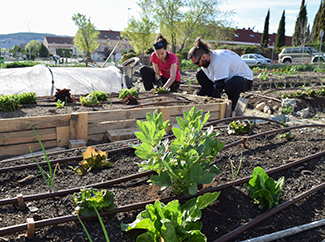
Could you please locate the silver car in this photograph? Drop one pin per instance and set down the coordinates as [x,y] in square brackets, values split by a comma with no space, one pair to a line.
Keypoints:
[255,59]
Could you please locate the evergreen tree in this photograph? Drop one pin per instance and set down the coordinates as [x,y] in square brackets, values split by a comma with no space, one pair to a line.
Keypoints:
[265,35]
[43,51]
[301,26]
[319,22]
[280,39]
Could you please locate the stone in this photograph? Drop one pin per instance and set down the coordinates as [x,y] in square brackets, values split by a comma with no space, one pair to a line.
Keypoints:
[260,106]
[266,109]
[288,102]
[303,113]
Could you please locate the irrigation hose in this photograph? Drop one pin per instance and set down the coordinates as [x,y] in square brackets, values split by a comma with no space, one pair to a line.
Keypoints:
[233,234]
[69,218]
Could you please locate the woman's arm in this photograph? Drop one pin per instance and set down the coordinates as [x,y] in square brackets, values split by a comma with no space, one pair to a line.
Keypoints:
[173,70]
[156,69]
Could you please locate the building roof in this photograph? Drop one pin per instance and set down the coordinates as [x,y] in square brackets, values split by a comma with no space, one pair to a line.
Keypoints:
[109,34]
[59,39]
[249,36]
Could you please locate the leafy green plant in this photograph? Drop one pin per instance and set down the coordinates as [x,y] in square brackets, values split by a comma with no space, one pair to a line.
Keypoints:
[160,90]
[240,127]
[9,102]
[125,92]
[263,189]
[48,177]
[88,198]
[101,96]
[92,160]
[287,110]
[172,222]
[287,136]
[89,100]
[186,161]
[27,98]
[59,104]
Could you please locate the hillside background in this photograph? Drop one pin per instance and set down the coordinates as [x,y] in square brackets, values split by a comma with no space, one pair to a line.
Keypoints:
[10,40]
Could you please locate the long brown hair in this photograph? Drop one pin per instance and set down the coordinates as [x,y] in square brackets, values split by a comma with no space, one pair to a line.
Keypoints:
[199,48]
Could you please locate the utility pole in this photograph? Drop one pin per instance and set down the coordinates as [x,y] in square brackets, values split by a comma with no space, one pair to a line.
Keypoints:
[29,42]
[128,38]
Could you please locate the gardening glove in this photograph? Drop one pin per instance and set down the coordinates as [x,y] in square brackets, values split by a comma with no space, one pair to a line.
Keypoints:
[218,87]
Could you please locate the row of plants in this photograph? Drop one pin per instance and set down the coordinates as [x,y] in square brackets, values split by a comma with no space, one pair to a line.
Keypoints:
[289,69]
[304,94]
[182,164]
[12,102]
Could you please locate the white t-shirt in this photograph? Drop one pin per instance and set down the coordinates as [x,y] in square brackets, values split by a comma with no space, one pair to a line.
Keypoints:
[226,64]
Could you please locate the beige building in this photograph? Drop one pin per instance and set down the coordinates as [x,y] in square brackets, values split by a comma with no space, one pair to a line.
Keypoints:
[107,40]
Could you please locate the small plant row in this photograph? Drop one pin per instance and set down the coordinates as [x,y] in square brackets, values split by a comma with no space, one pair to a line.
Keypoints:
[289,69]
[304,94]
[12,102]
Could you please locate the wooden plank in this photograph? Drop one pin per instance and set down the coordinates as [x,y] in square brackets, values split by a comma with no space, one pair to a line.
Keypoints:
[165,113]
[20,149]
[27,136]
[82,131]
[41,122]
[120,114]
[74,125]
[98,137]
[97,128]
[63,136]
[179,110]
[118,134]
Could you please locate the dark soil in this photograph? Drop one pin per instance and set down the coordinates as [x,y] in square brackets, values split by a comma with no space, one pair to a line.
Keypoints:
[232,209]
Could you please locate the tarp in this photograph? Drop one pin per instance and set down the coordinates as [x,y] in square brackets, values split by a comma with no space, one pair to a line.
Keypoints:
[45,80]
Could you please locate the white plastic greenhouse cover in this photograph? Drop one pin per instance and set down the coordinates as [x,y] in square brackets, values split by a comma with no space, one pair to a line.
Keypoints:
[80,80]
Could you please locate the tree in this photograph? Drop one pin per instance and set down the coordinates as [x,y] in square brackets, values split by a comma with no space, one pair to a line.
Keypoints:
[43,51]
[34,47]
[265,35]
[280,39]
[301,26]
[319,22]
[182,20]
[141,33]
[86,36]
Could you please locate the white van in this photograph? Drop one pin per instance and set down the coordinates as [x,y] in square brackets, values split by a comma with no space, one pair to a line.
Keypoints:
[300,55]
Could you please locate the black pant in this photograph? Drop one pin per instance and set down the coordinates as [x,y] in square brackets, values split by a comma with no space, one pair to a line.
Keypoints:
[233,87]
[149,78]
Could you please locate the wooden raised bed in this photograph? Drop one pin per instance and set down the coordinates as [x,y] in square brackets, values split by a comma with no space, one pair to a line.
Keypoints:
[16,135]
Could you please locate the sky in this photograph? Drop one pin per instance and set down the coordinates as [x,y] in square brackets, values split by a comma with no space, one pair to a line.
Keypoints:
[55,17]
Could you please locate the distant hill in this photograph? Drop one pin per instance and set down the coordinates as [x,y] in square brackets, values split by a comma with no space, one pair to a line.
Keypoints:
[10,40]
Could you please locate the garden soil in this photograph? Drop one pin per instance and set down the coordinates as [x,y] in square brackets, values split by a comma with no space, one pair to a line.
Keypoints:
[232,209]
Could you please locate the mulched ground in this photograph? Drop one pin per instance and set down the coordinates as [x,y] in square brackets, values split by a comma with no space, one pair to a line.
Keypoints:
[233,208]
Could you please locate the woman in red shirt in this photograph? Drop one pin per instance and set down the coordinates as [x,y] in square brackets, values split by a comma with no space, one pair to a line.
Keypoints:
[165,71]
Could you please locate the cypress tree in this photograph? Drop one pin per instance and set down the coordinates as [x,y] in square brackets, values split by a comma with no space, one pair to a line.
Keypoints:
[265,35]
[301,25]
[319,22]
[280,39]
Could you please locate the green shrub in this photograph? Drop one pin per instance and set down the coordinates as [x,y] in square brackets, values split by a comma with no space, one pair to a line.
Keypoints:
[19,64]
[187,64]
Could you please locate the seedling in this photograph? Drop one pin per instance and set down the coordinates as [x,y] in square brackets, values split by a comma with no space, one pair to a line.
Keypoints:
[240,127]
[287,110]
[92,160]
[287,136]
[59,104]
[172,222]
[160,90]
[263,189]
[130,100]
[234,175]
[48,177]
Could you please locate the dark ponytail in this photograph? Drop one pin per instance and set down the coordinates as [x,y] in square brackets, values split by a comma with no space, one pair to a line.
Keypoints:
[199,48]
[160,42]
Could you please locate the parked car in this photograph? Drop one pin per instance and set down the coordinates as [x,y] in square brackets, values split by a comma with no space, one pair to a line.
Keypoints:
[300,54]
[255,59]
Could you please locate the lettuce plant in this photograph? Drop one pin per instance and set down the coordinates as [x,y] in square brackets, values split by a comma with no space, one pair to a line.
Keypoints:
[172,222]
[88,198]
[125,92]
[89,100]
[263,189]
[240,127]
[92,160]
[101,96]
[186,161]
